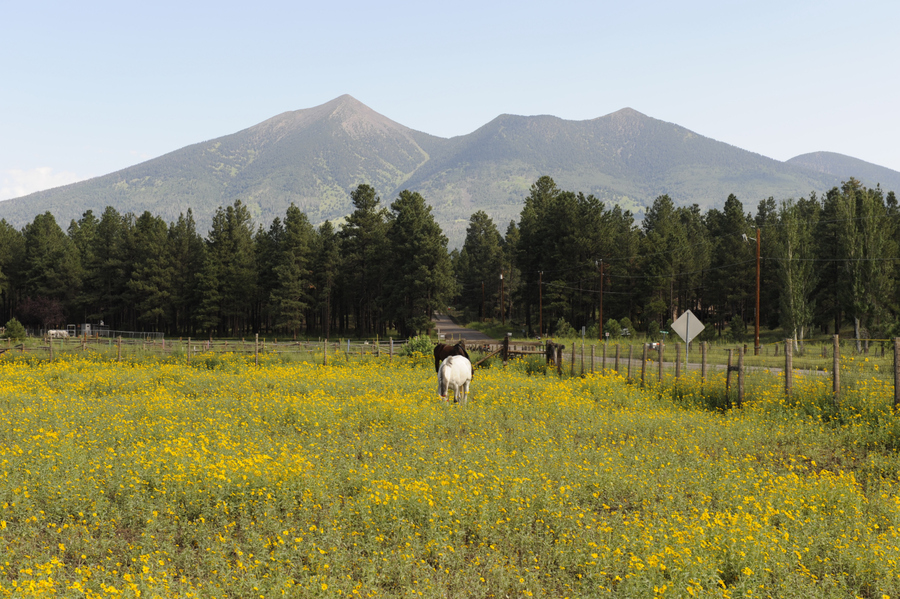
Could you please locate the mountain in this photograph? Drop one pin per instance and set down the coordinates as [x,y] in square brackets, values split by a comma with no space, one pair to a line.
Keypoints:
[838,165]
[316,156]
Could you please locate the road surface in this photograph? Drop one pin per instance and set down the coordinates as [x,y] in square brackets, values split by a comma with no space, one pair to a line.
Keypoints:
[454,332]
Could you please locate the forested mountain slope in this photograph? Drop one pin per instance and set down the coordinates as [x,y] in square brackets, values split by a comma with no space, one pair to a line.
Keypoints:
[315,157]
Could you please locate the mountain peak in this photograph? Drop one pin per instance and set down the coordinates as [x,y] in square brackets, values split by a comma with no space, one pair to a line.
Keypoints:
[348,113]
[627,113]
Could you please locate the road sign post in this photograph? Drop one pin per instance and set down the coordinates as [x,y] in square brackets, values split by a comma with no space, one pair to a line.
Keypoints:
[687,327]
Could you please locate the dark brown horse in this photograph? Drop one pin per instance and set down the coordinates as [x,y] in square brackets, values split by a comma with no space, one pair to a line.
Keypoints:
[442,351]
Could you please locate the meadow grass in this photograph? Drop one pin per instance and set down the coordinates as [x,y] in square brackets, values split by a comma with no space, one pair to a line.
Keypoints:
[216,478]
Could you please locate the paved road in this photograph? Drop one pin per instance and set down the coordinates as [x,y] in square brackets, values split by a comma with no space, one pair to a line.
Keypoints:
[454,332]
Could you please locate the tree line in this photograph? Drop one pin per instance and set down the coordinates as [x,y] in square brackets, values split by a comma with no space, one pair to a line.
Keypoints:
[569,261]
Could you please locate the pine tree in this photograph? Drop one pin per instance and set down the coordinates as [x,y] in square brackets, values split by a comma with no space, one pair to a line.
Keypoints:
[291,296]
[364,241]
[228,278]
[422,279]
[50,269]
[479,266]
[12,253]
[325,278]
[150,284]
[187,251]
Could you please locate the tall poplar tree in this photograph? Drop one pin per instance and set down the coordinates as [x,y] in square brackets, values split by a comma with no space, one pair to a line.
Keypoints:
[793,253]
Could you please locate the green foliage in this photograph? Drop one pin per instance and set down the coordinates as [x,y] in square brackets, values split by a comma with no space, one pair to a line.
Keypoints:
[479,266]
[653,330]
[737,329]
[14,330]
[563,329]
[418,345]
[421,278]
[612,327]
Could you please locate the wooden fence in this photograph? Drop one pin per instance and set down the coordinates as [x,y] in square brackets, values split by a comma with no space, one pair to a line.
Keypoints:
[610,358]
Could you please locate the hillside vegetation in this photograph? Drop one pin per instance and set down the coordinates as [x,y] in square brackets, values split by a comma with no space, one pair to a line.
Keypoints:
[315,157]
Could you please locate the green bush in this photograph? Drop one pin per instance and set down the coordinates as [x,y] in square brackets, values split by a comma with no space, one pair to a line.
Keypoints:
[613,328]
[625,324]
[563,329]
[14,330]
[418,345]
[653,330]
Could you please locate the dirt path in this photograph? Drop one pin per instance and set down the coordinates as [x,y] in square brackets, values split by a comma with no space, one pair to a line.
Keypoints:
[454,332]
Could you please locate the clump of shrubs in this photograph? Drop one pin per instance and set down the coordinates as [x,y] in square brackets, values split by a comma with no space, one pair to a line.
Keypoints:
[13,330]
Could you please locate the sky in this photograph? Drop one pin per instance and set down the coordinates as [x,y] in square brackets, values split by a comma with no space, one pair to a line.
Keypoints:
[88,88]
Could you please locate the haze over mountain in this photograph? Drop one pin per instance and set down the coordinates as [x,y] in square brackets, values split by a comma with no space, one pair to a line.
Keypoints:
[315,157]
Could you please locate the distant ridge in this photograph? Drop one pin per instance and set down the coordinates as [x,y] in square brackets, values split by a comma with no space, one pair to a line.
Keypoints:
[316,156]
[839,165]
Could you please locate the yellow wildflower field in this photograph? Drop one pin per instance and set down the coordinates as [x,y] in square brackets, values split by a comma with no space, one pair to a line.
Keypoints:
[170,479]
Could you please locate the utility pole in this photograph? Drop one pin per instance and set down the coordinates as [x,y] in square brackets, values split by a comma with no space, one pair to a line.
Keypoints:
[502,306]
[756,334]
[541,304]
[601,300]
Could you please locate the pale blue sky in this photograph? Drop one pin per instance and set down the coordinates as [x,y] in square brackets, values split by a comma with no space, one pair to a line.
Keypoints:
[92,87]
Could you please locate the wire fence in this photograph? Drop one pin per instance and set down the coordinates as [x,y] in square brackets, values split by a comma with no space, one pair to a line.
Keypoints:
[644,363]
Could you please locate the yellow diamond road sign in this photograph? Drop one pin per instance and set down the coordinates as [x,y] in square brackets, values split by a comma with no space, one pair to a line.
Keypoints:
[688,326]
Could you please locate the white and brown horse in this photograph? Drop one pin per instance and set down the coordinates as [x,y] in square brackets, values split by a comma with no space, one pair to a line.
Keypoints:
[455,373]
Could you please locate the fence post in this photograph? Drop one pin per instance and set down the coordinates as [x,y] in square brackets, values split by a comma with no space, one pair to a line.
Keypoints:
[836,377]
[119,349]
[391,356]
[703,361]
[728,380]
[660,361]
[189,349]
[630,355]
[559,359]
[592,359]
[325,352]
[896,372]
[603,360]
[740,401]
[788,367]
[677,361]
[582,357]
[643,365]
[50,343]
[572,365]
[617,358]
[256,351]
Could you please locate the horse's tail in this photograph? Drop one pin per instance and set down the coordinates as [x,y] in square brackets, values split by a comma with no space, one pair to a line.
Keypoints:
[443,384]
